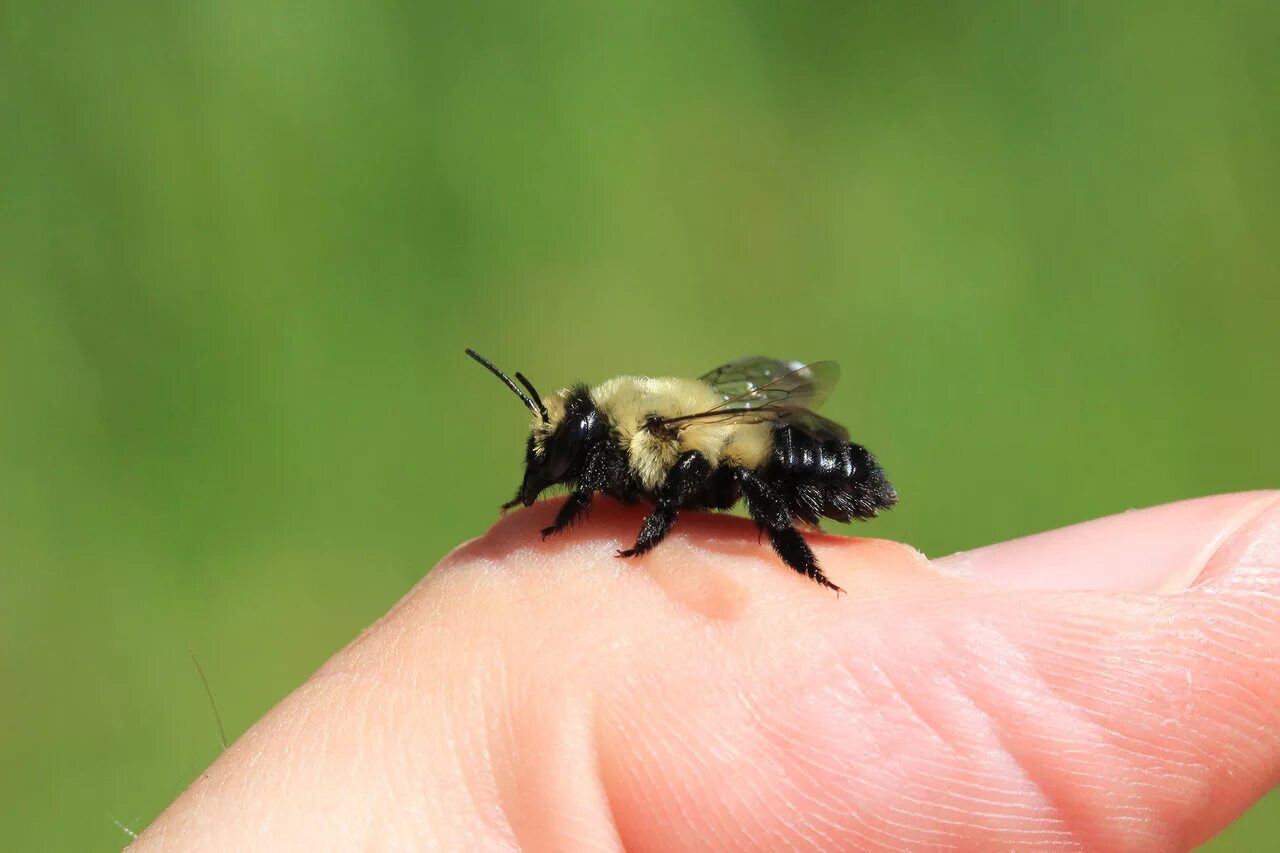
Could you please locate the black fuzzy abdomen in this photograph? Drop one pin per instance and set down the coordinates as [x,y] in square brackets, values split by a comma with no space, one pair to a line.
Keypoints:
[826,476]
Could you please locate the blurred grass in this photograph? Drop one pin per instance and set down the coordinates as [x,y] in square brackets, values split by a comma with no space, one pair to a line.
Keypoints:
[242,248]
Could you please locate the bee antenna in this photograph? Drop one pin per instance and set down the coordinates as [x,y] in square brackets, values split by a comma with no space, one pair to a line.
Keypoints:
[533,392]
[506,380]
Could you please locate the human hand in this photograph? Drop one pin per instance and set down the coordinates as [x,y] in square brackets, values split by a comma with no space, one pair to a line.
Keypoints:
[1113,685]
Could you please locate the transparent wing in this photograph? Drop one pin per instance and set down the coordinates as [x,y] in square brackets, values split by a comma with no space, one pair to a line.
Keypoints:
[816,424]
[809,421]
[755,381]
[757,389]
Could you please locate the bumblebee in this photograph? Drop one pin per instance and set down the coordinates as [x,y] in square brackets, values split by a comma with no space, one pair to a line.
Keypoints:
[746,430]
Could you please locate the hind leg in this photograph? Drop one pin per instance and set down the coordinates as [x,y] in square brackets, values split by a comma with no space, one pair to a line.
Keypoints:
[770,511]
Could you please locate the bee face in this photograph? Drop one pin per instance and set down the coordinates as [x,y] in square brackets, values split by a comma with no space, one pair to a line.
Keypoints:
[556,446]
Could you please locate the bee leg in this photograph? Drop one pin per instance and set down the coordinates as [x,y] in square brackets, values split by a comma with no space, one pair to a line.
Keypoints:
[579,500]
[655,528]
[571,510]
[769,510]
[687,478]
[797,554]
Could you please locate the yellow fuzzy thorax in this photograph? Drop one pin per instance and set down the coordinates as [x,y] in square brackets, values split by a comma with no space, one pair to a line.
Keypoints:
[628,401]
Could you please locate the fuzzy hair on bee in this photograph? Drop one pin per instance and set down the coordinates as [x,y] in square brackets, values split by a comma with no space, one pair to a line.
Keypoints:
[746,431]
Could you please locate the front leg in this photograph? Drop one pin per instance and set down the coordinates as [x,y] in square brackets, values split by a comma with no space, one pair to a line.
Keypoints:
[687,478]
[579,500]
[571,510]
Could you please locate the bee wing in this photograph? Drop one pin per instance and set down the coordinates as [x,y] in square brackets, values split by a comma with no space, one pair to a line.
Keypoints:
[816,425]
[806,419]
[757,389]
[756,381]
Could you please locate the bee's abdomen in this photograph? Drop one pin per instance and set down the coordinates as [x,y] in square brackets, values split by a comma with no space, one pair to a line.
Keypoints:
[827,476]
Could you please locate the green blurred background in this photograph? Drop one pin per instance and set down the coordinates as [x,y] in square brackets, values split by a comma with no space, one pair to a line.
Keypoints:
[243,245]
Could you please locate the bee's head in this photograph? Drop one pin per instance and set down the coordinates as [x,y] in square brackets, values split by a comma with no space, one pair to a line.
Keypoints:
[555,450]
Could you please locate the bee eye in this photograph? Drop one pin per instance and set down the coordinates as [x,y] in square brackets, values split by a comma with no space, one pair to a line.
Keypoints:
[567,444]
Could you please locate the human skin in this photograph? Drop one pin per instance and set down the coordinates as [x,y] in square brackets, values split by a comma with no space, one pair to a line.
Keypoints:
[1111,686]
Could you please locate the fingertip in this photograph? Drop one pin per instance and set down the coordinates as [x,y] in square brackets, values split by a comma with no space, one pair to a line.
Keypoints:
[1162,549]
[1253,545]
